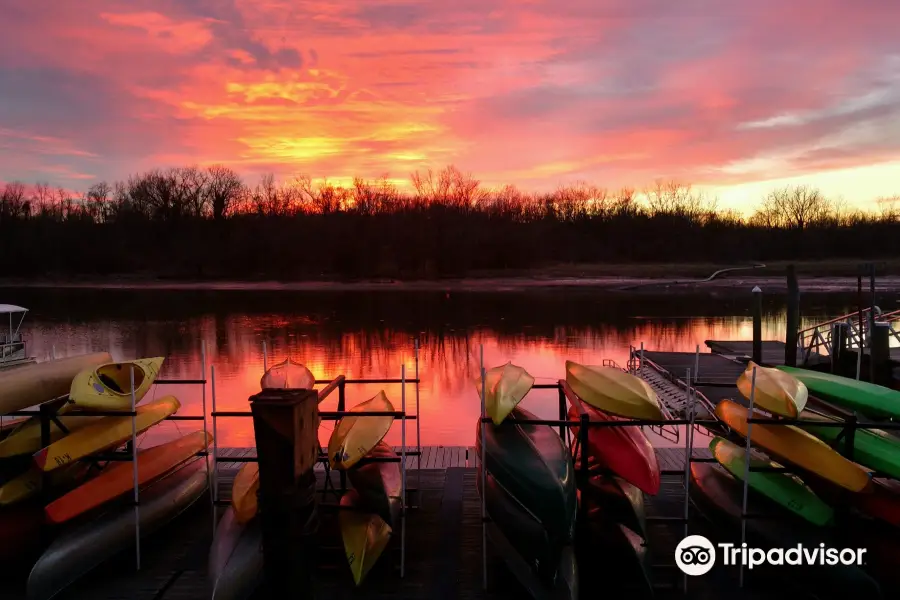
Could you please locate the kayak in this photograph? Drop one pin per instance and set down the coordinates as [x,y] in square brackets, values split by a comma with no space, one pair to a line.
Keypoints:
[118,479]
[354,437]
[365,535]
[30,483]
[530,491]
[719,497]
[288,375]
[79,550]
[26,438]
[504,388]
[883,503]
[625,451]
[873,448]
[41,382]
[108,386]
[244,500]
[621,502]
[778,392]
[785,489]
[613,391]
[235,566]
[868,398]
[104,434]
[791,444]
[379,484]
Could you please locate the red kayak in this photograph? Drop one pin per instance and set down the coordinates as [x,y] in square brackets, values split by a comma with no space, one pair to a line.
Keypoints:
[882,503]
[625,451]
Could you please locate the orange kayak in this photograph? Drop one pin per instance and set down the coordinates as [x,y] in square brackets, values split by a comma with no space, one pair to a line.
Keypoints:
[118,479]
[243,493]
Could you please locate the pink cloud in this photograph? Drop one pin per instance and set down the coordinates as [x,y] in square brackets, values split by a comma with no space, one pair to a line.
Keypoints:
[620,93]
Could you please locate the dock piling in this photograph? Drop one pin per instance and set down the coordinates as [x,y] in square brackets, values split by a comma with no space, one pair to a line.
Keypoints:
[839,336]
[757,325]
[880,354]
[793,318]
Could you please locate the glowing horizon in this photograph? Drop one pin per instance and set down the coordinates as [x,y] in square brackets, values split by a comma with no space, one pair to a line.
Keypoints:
[735,100]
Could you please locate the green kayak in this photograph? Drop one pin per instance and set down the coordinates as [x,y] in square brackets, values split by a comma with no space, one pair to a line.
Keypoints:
[785,489]
[530,489]
[873,400]
[872,448]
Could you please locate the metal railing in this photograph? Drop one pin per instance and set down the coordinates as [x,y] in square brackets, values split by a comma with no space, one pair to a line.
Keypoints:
[818,338]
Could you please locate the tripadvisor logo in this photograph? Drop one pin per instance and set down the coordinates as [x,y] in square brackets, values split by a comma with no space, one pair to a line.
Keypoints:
[696,555]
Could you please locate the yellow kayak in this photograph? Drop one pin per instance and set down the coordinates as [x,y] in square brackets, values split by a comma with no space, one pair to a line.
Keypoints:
[365,536]
[30,482]
[108,386]
[354,437]
[504,388]
[776,391]
[243,492]
[26,438]
[793,445]
[41,382]
[288,375]
[613,391]
[104,434]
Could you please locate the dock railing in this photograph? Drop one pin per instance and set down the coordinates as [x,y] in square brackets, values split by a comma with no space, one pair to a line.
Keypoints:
[819,338]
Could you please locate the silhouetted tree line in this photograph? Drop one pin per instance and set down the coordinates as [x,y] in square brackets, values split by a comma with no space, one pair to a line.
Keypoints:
[193,222]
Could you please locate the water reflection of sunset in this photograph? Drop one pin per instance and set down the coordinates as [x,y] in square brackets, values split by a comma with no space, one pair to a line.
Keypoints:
[448,360]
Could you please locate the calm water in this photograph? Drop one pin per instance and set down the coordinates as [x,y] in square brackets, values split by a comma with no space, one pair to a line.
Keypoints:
[369,335]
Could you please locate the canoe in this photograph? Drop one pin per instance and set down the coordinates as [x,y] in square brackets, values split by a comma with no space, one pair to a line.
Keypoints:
[235,566]
[534,492]
[107,433]
[621,502]
[79,550]
[791,444]
[41,382]
[108,386]
[868,398]
[625,451]
[379,484]
[118,479]
[613,391]
[873,448]
[354,437]
[504,388]
[244,501]
[30,483]
[365,535]
[26,439]
[288,375]
[719,497]
[778,392]
[785,489]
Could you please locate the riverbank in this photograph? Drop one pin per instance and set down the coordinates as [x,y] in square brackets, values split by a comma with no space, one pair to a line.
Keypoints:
[814,277]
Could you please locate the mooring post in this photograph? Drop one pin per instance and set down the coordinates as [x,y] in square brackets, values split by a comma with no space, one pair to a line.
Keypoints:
[757,325]
[880,355]
[839,333]
[285,424]
[793,318]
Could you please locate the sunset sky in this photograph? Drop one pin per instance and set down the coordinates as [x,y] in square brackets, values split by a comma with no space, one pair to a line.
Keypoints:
[734,97]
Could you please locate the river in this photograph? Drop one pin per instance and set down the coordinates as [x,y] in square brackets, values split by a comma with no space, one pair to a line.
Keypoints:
[373,335]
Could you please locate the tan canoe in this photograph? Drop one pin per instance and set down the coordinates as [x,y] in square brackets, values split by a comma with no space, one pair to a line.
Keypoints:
[354,437]
[44,381]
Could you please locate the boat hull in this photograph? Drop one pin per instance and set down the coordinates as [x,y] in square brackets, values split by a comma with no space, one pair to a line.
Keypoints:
[354,437]
[379,484]
[244,493]
[80,549]
[41,382]
[868,398]
[108,386]
[365,535]
[236,567]
[613,391]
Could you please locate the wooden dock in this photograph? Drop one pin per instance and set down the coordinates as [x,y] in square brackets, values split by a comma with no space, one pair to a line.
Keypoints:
[443,547]
[773,352]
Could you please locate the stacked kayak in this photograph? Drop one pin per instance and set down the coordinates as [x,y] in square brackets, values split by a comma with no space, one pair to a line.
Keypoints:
[41,382]
[108,386]
[868,398]
[288,375]
[613,391]
[872,448]
[354,437]
[530,497]
[235,568]
[83,547]
[504,387]
[244,503]
[776,391]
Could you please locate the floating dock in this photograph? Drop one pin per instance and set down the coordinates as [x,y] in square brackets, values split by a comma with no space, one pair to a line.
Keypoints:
[773,352]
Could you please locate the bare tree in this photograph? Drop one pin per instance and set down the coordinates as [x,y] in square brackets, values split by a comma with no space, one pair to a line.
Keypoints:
[796,207]
[223,190]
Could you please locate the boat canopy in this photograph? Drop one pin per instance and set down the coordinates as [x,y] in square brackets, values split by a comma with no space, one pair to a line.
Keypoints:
[11,309]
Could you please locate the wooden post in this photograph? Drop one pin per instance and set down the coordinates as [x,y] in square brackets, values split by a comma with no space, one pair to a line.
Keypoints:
[880,355]
[757,325]
[286,423]
[793,318]
[839,334]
